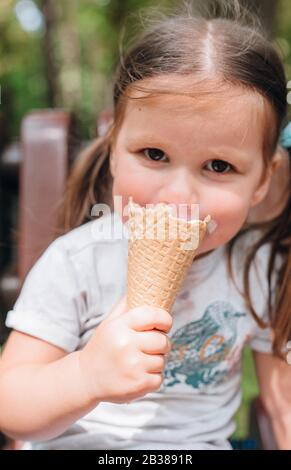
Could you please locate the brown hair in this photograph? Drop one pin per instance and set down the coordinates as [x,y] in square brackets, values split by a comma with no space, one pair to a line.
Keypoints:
[243,57]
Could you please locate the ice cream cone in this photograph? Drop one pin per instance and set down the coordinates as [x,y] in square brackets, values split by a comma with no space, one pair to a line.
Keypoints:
[161,249]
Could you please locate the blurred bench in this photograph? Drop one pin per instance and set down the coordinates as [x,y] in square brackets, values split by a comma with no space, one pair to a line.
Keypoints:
[41,162]
[38,168]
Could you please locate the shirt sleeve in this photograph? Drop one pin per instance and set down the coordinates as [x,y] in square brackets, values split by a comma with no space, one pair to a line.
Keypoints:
[47,307]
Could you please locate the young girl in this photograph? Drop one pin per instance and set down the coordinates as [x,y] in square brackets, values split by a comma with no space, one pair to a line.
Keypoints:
[199,104]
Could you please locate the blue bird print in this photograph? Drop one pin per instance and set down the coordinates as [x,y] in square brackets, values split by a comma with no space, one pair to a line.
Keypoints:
[200,348]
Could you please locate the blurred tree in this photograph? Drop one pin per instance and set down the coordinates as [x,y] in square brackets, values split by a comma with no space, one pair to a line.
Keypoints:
[50,63]
[63,53]
[89,35]
[283,36]
[22,77]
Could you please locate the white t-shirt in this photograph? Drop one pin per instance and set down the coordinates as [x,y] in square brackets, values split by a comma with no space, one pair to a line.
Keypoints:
[72,288]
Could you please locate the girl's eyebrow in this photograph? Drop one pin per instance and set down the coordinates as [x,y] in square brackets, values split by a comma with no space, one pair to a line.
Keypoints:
[136,140]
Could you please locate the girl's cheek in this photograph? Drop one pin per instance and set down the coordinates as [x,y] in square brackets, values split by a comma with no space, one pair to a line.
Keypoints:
[229,213]
[133,180]
[137,187]
[226,206]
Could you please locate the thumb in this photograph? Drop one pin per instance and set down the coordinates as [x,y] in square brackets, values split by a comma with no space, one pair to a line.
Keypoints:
[119,308]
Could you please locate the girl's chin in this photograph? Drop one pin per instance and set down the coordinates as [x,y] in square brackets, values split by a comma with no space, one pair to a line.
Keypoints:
[200,253]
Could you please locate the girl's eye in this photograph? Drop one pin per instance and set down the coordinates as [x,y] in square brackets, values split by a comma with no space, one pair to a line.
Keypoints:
[219,166]
[154,154]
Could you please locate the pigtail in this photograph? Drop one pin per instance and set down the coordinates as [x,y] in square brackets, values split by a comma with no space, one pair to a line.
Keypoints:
[280,315]
[277,233]
[89,182]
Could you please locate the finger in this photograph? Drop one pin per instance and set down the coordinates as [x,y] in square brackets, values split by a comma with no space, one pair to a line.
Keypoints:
[155,381]
[155,364]
[154,342]
[146,318]
[119,308]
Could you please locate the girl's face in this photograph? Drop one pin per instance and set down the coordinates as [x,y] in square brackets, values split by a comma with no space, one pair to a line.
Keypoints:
[179,150]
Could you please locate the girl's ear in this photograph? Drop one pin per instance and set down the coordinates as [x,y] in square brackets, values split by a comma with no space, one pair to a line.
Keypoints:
[276,198]
[262,190]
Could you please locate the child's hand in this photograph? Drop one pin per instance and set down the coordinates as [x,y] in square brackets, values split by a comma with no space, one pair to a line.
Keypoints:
[125,357]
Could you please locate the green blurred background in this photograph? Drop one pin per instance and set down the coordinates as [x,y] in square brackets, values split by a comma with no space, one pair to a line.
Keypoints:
[62,54]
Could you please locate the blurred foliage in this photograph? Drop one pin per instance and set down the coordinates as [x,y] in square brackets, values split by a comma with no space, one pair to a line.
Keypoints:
[84,46]
[23,85]
[70,64]
[283,36]
[250,390]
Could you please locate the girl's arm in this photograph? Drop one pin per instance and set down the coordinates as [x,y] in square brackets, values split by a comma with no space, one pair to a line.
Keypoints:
[43,390]
[40,393]
[274,376]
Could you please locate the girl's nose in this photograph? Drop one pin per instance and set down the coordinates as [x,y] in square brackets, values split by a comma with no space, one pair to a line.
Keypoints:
[180,190]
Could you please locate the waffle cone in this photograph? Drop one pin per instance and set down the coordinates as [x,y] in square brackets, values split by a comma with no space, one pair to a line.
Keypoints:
[161,249]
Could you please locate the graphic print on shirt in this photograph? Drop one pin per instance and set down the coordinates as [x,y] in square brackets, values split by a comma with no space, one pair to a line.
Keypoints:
[200,348]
